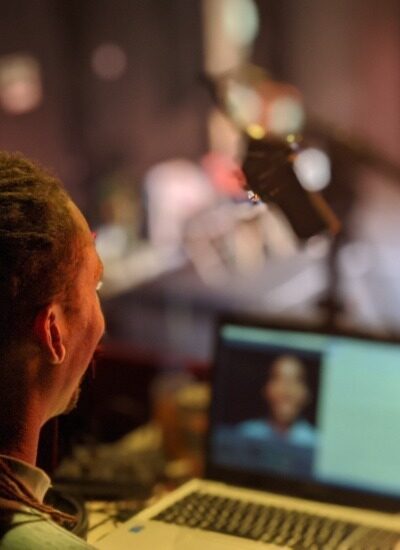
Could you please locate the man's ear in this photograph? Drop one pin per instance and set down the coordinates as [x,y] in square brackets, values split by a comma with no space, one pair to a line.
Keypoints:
[48,329]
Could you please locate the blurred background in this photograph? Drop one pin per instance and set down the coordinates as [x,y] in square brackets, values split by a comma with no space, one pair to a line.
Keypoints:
[118,98]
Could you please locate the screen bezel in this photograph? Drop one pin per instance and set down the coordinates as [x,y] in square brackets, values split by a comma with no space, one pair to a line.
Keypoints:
[308,489]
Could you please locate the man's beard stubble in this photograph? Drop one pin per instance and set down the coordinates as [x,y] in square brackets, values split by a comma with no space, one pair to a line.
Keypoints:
[73,402]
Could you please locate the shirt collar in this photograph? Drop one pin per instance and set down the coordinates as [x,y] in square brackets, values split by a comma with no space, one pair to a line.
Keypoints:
[36,480]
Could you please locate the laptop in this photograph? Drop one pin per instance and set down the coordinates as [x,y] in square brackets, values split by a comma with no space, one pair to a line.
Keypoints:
[303,448]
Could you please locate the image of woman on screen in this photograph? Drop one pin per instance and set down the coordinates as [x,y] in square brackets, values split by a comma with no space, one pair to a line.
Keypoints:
[286,394]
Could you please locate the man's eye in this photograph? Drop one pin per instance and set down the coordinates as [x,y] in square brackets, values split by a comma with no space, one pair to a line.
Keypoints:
[99,285]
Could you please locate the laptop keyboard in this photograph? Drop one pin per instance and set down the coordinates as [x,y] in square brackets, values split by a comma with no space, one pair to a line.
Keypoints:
[275,525]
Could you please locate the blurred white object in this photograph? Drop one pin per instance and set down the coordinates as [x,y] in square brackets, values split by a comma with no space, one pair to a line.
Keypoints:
[143,264]
[356,259]
[313,169]
[176,190]
[111,241]
[230,26]
[240,20]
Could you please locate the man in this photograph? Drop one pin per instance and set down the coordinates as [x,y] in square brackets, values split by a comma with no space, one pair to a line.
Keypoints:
[50,325]
[286,395]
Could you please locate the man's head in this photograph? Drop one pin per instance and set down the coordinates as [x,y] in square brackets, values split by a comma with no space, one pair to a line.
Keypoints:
[50,317]
[286,391]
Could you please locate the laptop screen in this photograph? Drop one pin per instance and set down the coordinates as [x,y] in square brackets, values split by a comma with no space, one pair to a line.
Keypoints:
[307,407]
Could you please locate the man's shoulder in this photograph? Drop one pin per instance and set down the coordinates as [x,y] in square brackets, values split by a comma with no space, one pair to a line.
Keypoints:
[31,529]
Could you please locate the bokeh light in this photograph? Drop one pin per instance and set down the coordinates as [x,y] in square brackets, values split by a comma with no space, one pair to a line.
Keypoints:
[244,103]
[313,169]
[285,115]
[241,21]
[20,83]
[109,61]
[256,131]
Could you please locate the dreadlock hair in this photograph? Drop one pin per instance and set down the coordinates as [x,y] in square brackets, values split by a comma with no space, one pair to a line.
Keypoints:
[38,262]
[38,251]
[14,495]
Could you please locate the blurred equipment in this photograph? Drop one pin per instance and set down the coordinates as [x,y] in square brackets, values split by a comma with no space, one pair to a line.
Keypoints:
[129,467]
[271,173]
[278,168]
[347,455]
[305,167]
[70,505]
[289,159]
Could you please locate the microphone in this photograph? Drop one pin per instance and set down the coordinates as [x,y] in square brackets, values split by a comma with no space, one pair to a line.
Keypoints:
[269,174]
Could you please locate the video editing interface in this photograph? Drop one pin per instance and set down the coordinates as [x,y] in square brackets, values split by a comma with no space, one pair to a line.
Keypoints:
[308,406]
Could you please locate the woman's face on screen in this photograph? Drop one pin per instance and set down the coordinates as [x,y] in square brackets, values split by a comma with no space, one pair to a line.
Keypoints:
[286,391]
